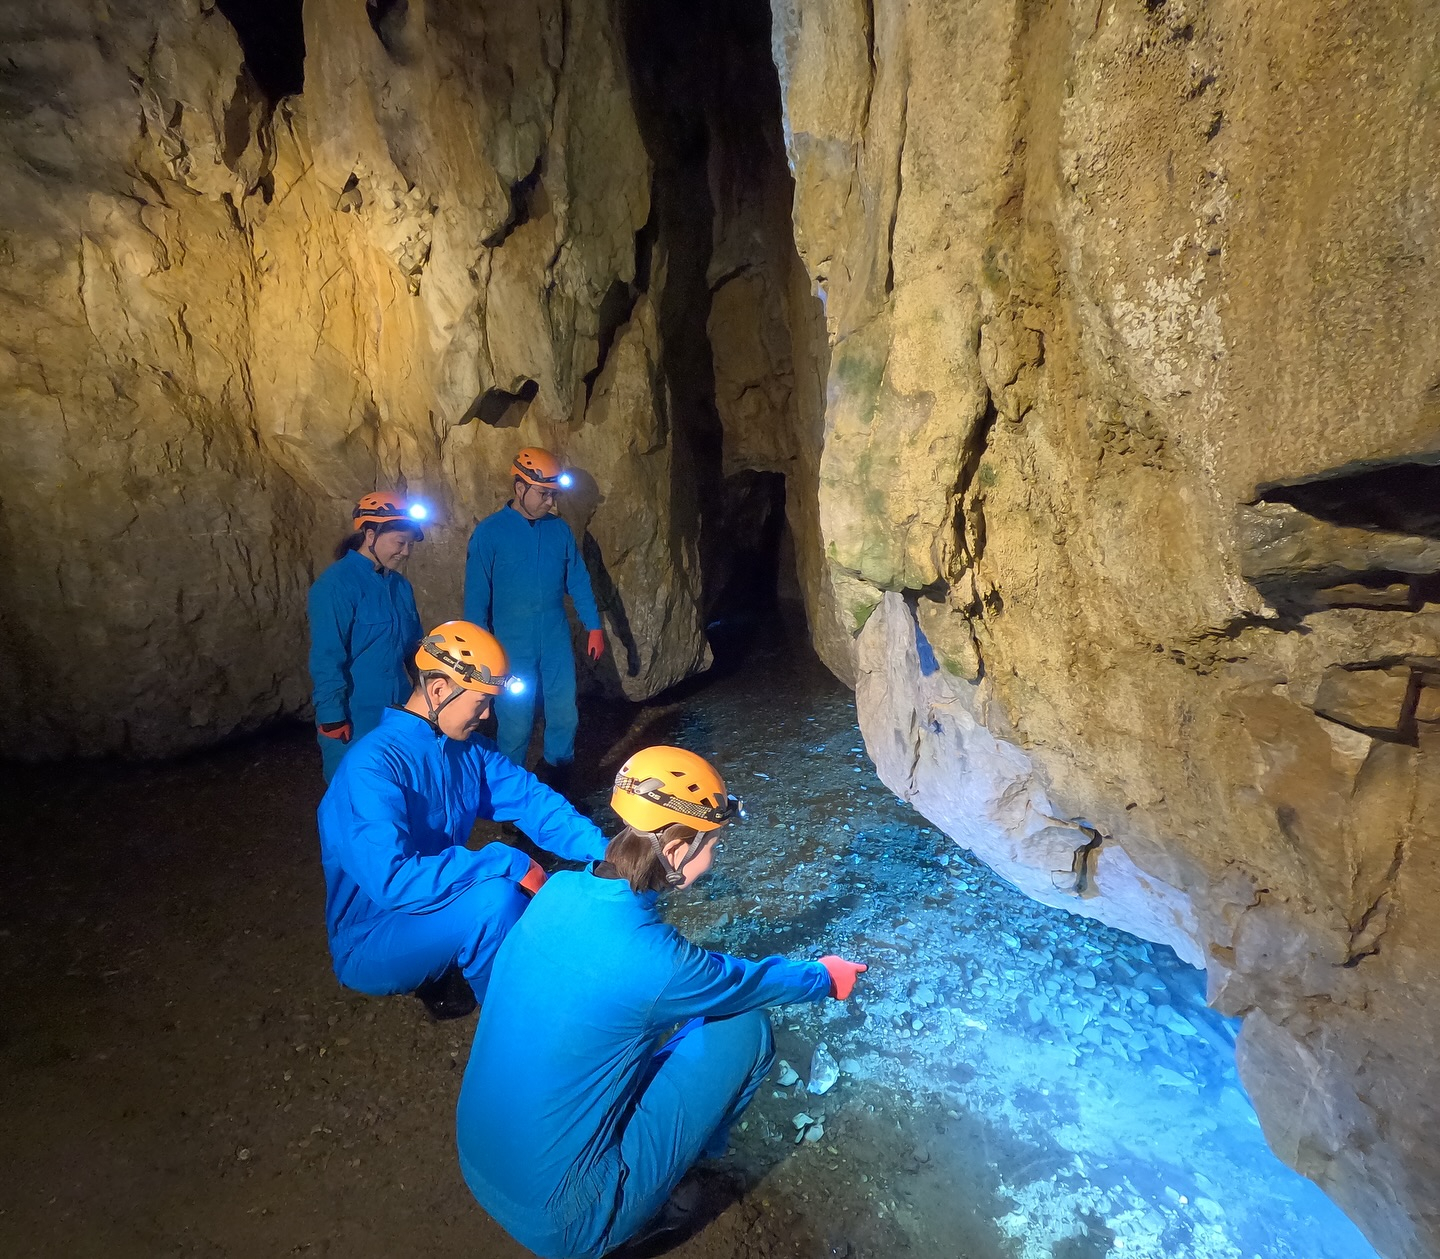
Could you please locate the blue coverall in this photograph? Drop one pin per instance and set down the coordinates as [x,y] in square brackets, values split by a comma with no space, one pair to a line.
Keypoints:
[572,1127]
[517,573]
[404,897]
[363,630]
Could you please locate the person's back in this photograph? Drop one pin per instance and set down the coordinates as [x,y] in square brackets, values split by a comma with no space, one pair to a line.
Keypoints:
[574,1124]
[566,1037]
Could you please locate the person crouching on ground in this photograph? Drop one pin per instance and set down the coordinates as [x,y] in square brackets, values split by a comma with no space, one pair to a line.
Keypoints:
[406,900]
[573,1124]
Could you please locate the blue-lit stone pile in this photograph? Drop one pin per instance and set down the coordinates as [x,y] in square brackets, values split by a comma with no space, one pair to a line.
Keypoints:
[1013,1080]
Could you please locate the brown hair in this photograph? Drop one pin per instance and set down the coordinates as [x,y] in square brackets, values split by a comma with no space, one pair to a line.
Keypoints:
[632,854]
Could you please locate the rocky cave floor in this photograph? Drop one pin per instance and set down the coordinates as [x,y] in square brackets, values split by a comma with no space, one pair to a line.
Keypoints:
[182,1075]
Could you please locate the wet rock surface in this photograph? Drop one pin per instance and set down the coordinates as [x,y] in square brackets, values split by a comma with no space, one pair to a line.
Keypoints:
[182,1075]
[1158,493]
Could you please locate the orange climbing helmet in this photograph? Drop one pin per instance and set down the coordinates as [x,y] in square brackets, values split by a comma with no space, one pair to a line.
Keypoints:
[664,786]
[467,654]
[384,508]
[539,467]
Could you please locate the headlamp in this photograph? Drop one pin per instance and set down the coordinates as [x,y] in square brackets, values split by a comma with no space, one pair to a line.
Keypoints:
[515,686]
[565,480]
[418,511]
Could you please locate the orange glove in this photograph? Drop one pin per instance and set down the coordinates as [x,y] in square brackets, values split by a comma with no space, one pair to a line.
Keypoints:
[534,878]
[842,975]
[341,730]
[595,644]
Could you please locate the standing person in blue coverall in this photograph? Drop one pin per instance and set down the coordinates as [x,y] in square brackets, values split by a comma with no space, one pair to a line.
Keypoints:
[363,625]
[406,900]
[574,1123]
[521,564]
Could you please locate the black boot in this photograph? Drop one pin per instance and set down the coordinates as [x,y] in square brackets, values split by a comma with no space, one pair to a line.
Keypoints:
[680,1217]
[449,997]
[556,777]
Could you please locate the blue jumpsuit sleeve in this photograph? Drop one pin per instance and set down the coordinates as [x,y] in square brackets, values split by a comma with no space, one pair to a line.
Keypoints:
[544,815]
[331,618]
[479,574]
[413,630]
[577,584]
[714,985]
[371,847]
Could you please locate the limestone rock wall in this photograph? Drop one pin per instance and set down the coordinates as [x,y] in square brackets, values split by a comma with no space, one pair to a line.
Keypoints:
[1131,457]
[223,319]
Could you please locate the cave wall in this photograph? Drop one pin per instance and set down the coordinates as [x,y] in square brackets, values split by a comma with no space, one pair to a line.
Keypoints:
[225,317]
[1131,458]
[1102,382]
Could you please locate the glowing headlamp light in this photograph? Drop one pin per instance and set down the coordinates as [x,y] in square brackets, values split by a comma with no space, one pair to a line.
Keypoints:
[565,480]
[418,511]
[515,686]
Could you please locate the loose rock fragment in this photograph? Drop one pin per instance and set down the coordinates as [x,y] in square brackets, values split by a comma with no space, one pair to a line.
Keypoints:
[824,1070]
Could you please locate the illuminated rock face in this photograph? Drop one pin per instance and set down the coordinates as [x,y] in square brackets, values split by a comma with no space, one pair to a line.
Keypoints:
[222,321]
[1118,436]
[1131,464]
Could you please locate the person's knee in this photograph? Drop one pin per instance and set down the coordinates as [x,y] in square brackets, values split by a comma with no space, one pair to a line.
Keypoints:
[748,1038]
[764,1035]
[493,906]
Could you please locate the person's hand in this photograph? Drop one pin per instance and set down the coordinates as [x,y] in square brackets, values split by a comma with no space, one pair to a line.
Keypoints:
[341,730]
[595,644]
[534,878]
[842,975]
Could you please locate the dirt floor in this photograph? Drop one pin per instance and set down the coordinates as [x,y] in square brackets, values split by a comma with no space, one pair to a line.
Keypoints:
[183,1076]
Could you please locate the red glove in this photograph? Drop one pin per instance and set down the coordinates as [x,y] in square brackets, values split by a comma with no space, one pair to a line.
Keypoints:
[534,878]
[842,975]
[341,730]
[595,644]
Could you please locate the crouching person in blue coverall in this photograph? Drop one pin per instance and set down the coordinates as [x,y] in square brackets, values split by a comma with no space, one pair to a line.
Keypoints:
[405,899]
[521,563]
[574,1122]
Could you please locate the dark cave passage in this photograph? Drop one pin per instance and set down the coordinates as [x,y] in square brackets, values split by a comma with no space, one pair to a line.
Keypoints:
[272,37]
[708,99]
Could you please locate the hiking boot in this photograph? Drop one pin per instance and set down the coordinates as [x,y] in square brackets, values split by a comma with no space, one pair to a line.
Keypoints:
[556,777]
[678,1219]
[448,997]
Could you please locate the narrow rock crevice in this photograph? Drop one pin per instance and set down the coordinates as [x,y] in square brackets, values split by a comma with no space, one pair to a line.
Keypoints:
[527,201]
[272,38]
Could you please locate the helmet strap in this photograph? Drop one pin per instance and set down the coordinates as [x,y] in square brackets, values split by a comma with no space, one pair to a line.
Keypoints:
[434,710]
[675,875]
[368,548]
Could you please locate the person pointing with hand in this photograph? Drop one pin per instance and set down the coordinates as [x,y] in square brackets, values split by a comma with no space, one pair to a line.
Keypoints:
[575,1123]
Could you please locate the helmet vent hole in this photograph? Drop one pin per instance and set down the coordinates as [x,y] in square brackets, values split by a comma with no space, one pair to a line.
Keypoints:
[677,773]
[693,787]
[466,652]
